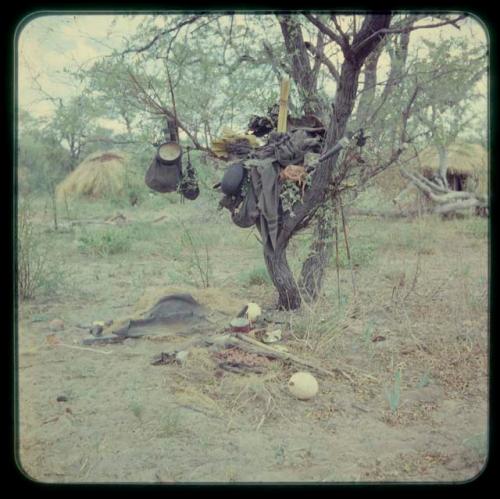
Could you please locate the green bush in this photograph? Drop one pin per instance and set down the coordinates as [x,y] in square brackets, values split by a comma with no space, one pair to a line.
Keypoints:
[103,242]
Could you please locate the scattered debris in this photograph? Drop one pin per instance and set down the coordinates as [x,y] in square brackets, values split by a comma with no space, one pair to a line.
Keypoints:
[237,360]
[240,325]
[272,336]
[56,325]
[97,328]
[163,359]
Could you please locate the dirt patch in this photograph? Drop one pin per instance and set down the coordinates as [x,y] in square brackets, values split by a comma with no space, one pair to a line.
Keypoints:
[407,400]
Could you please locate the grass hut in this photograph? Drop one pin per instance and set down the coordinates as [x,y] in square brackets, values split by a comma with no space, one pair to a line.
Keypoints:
[467,171]
[100,175]
[467,166]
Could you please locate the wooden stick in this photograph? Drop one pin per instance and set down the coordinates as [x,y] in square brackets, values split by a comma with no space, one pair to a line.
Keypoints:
[347,247]
[262,349]
[106,352]
[337,263]
[283,112]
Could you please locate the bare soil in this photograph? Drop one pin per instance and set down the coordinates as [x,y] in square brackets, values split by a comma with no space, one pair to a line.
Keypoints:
[409,404]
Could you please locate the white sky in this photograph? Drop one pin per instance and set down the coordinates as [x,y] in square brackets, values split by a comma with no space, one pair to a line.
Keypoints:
[49,44]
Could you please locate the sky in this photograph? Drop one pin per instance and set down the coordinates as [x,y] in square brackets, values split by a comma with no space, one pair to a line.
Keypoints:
[48,44]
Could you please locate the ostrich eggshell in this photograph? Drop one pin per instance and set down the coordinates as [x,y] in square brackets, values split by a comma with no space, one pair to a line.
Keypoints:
[253,311]
[303,385]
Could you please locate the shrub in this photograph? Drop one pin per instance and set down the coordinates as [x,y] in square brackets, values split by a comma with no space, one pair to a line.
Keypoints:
[103,242]
[33,270]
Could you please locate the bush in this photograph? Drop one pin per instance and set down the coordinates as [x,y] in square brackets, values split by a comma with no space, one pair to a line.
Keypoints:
[33,270]
[103,242]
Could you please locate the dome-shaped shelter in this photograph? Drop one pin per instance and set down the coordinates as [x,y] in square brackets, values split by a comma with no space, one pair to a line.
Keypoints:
[100,175]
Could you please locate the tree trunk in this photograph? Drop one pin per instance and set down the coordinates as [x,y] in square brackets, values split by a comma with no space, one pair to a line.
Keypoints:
[282,277]
[365,106]
[313,268]
[303,75]
[364,42]
[443,165]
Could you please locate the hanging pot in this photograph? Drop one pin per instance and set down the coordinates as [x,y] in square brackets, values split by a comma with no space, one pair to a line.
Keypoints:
[169,153]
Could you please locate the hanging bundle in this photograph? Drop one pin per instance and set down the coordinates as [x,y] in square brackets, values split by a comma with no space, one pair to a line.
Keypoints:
[188,186]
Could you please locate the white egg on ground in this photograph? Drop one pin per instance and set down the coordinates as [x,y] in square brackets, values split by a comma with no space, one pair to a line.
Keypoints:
[303,385]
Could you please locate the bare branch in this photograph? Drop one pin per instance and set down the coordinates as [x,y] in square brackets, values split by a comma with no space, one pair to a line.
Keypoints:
[339,29]
[324,60]
[406,29]
[327,31]
[148,45]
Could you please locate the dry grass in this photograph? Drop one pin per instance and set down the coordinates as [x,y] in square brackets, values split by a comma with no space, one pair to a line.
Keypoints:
[100,175]
[468,159]
[420,310]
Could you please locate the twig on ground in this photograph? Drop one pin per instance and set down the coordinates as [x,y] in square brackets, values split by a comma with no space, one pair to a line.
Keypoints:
[105,352]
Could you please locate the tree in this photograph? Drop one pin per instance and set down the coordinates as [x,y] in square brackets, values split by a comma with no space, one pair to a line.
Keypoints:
[220,67]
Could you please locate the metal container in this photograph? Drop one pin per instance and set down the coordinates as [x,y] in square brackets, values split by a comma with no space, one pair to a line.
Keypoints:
[169,153]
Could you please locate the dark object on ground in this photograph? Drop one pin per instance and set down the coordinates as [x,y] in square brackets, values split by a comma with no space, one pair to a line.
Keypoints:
[96,330]
[62,398]
[163,359]
[172,309]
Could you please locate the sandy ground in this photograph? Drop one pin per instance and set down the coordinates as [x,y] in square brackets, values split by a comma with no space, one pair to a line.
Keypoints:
[421,314]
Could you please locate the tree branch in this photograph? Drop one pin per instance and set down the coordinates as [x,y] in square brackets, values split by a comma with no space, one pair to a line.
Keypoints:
[327,31]
[405,29]
[324,60]
[148,45]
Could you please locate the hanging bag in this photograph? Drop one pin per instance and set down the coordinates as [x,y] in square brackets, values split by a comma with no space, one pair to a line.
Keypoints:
[165,172]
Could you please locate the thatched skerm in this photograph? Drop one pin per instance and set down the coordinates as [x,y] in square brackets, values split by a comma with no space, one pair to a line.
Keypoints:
[467,166]
[100,175]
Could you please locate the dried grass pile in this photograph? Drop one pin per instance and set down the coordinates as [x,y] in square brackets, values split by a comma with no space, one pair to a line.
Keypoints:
[232,144]
[100,175]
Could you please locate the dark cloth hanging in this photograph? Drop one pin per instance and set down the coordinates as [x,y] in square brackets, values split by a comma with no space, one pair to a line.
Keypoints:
[261,201]
[163,178]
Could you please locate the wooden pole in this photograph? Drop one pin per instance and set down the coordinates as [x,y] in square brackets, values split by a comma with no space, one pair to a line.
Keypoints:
[283,112]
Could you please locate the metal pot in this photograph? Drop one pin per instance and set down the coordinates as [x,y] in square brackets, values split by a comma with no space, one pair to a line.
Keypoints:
[169,153]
